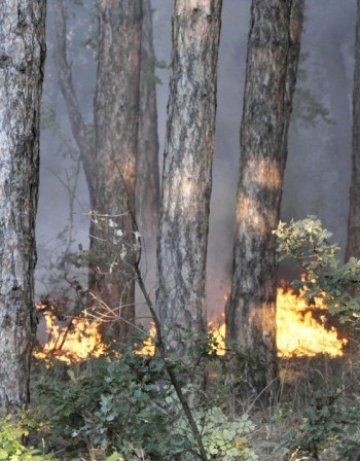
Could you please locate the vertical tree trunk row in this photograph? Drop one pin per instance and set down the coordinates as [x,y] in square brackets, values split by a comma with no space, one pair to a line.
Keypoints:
[120,158]
[186,188]
[22,51]
[273,51]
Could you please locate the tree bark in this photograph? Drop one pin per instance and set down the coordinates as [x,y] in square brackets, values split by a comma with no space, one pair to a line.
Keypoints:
[116,132]
[22,52]
[273,52]
[109,153]
[184,215]
[353,239]
[147,176]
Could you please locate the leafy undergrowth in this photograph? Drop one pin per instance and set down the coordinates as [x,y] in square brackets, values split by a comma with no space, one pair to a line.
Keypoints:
[125,409]
[317,416]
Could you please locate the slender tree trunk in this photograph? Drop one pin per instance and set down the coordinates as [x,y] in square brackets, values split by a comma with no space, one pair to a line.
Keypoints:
[184,215]
[22,51]
[116,133]
[80,131]
[273,51]
[353,241]
[147,177]
[109,153]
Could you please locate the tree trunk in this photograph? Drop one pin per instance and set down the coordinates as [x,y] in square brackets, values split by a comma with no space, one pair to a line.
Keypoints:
[22,51]
[116,133]
[184,215]
[109,153]
[353,241]
[79,129]
[273,51]
[147,177]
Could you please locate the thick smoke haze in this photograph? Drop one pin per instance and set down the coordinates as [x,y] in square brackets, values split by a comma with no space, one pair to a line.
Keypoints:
[319,159]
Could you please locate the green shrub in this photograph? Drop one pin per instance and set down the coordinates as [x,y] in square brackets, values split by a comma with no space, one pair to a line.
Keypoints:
[308,243]
[13,431]
[126,405]
[330,421]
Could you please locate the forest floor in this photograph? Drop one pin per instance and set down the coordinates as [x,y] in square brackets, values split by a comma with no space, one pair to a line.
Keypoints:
[317,409]
[316,396]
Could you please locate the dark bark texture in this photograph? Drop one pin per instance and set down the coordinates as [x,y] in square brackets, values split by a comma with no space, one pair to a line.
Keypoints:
[109,153]
[22,51]
[353,241]
[273,51]
[116,134]
[147,177]
[187,168]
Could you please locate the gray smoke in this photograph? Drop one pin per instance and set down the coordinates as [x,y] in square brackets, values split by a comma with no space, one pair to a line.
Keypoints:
[319,159]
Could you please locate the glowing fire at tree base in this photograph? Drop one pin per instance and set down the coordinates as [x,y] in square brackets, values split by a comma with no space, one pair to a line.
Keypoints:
[299,334]
[77,341]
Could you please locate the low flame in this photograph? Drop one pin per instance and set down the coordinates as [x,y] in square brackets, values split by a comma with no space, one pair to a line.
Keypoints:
[148,345]
[299,334]
[77,341]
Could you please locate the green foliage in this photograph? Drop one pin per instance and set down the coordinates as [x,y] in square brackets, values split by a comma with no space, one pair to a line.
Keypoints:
[224,439]
[330,420]
[327,422]
[13,431]
[124,406]
[109,404]
[308,243]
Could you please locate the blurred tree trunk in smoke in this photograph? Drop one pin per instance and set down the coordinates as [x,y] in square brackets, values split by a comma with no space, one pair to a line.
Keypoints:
[147,177]
[273,53]
[22,52]
[353,239]
[109,152]
[186,186]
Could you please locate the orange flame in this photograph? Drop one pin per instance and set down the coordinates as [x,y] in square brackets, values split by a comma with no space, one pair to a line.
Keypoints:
[148,345]
[298,334]
[73,343]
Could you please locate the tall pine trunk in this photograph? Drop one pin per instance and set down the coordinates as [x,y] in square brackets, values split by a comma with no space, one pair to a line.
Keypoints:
[186,187]
[114,177]
[273,52]
[353,239]
[22,51]
[147,178]
[109,153]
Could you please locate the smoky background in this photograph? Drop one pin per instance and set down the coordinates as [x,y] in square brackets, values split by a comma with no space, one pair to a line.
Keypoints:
[317,177]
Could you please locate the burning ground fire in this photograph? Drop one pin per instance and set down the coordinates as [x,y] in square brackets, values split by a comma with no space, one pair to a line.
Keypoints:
[75,342]
[299,334]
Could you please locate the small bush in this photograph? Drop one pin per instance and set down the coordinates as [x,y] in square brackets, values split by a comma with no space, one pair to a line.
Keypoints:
[13,431]
[124,406]
[329,422]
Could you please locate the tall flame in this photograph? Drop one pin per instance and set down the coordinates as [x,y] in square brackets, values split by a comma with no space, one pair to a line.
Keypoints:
[299,333]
